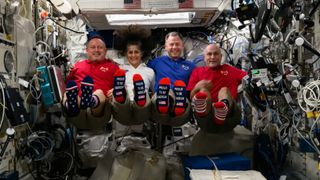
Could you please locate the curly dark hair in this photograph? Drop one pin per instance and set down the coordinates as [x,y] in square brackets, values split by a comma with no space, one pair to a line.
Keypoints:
[134,35]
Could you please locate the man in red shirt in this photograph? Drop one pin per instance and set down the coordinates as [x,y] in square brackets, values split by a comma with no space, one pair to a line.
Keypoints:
[214,91]
[93,76]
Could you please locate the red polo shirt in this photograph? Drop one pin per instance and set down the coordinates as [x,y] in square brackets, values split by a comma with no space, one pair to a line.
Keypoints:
[102,73]
[223,76]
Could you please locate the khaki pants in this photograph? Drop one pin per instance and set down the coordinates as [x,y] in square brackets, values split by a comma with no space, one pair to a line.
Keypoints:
[85,119]
[169,118]
[207,124]
[91,146]
[129,113]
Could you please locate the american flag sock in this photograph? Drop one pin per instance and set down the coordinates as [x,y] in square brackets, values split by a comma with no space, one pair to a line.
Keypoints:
[86,89]
[72,98]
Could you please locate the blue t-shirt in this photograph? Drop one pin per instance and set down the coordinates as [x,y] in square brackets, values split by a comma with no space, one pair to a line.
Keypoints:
[178,69]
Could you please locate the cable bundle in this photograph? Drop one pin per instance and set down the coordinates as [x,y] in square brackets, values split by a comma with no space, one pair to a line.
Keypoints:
[309,96]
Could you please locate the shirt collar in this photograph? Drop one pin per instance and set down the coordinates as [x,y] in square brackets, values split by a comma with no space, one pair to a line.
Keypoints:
[179,59]
[140,65]
[98,62]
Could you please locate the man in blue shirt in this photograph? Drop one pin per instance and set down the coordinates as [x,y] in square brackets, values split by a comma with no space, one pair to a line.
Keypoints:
[172,73]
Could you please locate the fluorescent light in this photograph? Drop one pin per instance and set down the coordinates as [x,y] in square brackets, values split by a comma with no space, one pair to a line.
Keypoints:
[150,19]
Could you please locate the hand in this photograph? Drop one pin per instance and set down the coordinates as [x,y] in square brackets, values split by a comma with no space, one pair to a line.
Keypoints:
[110,95]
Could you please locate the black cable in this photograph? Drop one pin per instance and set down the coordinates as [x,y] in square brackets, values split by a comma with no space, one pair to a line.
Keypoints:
[66,27]
[228,55]
[184,138]
[314,9]
[315,61]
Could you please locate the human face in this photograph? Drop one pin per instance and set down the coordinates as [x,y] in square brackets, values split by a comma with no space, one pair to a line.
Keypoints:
[134,55]
[174,47]
[96,50]
[212,56]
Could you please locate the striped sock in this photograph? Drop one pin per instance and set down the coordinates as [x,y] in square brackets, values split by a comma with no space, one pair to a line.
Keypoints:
[139,90]
[179,90]
[86,89]
[199,103]
[119,91]
[72,98]
[220,111]
[163,95]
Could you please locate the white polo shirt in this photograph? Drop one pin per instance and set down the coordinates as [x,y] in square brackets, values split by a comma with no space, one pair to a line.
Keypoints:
[146,73]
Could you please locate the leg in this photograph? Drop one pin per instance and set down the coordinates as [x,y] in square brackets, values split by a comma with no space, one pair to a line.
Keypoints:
[71,98]
[179,90]
[119,90]
[86,96]
[139,90]
[221,108]
[98,109]
[162,101]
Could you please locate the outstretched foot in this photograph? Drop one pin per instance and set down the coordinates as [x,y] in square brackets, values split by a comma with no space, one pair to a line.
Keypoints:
[119,91]
[179,90]
[72,98]
[163,95]
[199,103]
[139,90]
[220,111]
[86,96]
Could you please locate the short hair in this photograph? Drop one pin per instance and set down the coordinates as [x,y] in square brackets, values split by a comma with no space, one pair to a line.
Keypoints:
[213,44]
[96,36]
[173,33]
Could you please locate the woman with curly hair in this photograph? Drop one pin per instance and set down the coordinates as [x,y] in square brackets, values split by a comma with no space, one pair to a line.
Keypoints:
[131,101]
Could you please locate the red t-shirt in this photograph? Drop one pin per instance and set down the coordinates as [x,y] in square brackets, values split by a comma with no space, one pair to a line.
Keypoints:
[102,73]
[223,76]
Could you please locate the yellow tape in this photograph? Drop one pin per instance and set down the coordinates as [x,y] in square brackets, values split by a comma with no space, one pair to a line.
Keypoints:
[310,114]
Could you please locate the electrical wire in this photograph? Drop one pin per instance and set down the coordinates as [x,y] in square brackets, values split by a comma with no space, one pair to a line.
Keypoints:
[64,27]
[294,125]
[310,95]
[24,9]
[34,89]
[3,102]
[216,173]
[174,142]
[310,134]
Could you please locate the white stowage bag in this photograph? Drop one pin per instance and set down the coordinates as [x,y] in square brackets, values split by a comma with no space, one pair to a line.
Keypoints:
[202,174]
[133,164]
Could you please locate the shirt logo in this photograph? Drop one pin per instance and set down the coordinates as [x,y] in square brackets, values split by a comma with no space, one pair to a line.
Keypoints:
[224,72]
[185,67]
[104,69]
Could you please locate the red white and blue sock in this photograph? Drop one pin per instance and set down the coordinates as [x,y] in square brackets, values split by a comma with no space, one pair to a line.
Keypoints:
[72,98]
[139,90]
[199,103]
[119,91]
[179,90]
[221,109]
[162,101]
[87,99]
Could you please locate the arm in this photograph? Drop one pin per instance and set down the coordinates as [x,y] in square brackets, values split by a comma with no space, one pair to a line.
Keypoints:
[71,75]
[151,64]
